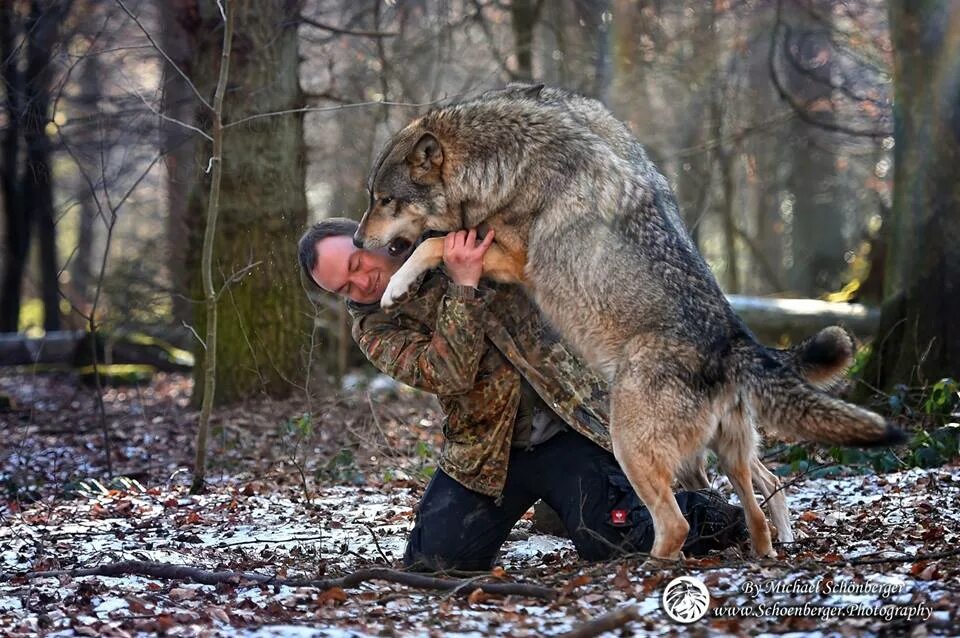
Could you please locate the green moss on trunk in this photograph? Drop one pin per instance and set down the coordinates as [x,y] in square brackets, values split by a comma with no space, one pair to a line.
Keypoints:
[262,319]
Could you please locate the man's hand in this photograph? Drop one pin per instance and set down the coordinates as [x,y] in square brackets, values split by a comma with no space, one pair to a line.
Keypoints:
[463,256]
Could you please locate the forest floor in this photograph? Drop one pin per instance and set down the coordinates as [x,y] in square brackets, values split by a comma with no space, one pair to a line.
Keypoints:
[317,498]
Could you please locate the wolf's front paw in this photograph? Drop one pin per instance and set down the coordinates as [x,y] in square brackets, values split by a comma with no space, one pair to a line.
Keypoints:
[398,288]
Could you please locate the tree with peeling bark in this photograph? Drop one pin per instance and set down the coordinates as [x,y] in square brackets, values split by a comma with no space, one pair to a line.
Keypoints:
[918,341]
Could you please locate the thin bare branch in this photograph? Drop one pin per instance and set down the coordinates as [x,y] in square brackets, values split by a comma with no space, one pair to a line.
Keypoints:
[206,268]
[317,24]
[172,120]
[321,109]
[194,332]
[235,277]
[166,57]
[609,621]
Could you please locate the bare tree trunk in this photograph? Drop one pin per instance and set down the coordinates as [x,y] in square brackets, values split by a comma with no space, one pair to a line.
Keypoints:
[42,29]
[767,219]
[262,325]
[209,293]
[918,341]
[91,89]
[596,16]
[176,141]
[725,161]
[817,224]
[695,168]
[524,15]
[18,221]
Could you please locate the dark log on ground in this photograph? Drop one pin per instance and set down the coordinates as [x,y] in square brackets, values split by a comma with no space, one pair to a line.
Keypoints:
[74,348]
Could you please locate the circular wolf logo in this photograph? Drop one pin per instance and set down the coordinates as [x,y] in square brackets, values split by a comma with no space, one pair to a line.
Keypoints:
[686,599]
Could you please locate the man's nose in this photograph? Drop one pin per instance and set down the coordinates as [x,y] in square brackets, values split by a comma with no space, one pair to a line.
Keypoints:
[357,240]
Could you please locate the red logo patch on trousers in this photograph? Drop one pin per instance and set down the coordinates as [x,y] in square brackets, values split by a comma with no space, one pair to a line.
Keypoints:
[618,517]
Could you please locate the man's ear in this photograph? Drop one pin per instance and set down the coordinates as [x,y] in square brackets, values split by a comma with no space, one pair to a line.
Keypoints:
[425,160]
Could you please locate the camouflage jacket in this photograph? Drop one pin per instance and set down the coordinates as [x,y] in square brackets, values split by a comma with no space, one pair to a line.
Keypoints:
[469,347]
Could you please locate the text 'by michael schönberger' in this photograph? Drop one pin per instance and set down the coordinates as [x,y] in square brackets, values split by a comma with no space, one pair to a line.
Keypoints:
[857,609]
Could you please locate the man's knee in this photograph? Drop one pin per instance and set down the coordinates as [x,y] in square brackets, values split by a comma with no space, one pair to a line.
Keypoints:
[439,552]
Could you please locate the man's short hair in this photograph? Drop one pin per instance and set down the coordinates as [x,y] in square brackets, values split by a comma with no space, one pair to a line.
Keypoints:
[307,248]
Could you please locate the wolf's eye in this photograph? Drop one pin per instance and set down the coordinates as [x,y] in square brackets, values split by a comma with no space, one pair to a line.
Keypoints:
[385,201]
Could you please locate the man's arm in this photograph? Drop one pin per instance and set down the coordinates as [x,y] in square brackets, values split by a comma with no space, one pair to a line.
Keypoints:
[443,361]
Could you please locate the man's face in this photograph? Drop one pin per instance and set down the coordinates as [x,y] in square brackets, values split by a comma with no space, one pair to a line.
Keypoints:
[360,275]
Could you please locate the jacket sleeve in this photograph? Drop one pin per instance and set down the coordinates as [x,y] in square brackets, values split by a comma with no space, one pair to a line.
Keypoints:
[443,361]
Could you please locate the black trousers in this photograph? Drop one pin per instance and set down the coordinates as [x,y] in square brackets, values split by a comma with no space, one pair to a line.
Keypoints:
[457,528]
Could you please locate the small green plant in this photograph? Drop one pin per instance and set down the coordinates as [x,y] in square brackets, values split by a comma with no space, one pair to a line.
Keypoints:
[944,398]
[860,358]
[299,426]
[342,468]
[927,448]
[425,468]
[295,431]
[933,449]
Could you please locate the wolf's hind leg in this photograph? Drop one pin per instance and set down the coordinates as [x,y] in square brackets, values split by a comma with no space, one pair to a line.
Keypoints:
[692,474]
[736,449]
[654,425]
[775,500]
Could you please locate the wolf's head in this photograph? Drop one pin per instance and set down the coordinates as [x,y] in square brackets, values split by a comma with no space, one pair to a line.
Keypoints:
[407,194]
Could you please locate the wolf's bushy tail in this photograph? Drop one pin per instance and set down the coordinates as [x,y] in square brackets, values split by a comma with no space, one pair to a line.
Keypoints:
[822,359]
[784,403]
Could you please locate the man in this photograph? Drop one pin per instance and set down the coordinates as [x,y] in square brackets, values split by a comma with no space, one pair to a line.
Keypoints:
[525,418]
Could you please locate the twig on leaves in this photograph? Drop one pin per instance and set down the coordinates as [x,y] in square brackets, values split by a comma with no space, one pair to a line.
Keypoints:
[376,542]
[274,541]
[151,569]
[606,622]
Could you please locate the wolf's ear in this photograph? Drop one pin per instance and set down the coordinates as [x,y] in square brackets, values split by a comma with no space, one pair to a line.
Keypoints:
[425,160]
[531,91]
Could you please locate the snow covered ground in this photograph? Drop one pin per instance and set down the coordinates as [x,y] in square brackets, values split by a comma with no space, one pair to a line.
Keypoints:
[248,527]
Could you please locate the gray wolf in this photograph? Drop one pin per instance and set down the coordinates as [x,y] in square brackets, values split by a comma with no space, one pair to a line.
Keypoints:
[586,223]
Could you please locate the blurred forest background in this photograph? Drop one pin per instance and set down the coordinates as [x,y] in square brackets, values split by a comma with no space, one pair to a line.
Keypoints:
[813,146]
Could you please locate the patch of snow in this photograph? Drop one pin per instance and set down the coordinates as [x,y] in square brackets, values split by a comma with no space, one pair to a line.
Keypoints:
[534,547]
[298,631]
[10,603]
[110,604]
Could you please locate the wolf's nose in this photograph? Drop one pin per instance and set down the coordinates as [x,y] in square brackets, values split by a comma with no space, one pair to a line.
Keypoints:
[357,241]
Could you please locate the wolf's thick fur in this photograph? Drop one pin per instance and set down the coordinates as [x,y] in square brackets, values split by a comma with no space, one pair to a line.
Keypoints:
[585,221]
[822,361]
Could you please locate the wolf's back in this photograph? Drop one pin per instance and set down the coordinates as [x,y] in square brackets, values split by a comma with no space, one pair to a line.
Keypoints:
[785,403]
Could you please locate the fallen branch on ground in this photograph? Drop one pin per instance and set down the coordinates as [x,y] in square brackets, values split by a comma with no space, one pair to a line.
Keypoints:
[167,571]
[607,622]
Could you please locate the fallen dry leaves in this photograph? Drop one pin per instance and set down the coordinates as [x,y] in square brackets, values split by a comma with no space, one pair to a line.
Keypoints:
[256,517]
